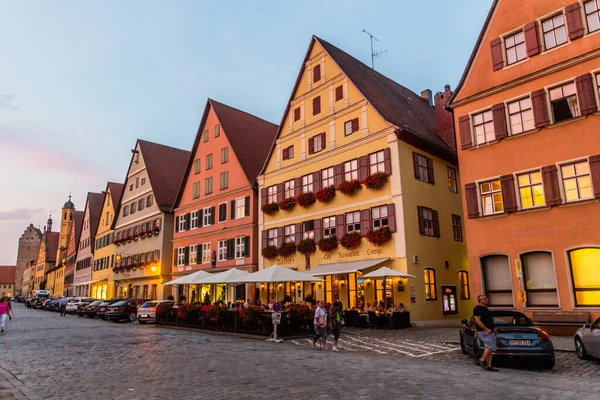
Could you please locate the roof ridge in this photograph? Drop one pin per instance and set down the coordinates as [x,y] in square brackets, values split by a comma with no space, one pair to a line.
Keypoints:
[239,110]
[162,145]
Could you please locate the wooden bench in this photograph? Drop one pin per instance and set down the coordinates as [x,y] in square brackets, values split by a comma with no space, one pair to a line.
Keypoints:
[560,318]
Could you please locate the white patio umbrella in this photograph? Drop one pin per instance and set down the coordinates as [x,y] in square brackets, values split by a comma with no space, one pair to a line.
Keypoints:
[385,272]
[229,276]
[189,279]
[277,273]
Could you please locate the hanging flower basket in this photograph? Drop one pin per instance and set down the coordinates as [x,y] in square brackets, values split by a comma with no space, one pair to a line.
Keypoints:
[287,204]
[376,181]
[270,208]
[326,194]
[349,188]
[287,249]
[380,236]
[270,252]
[351,240]
[306,247]
[328,244]
[305,199]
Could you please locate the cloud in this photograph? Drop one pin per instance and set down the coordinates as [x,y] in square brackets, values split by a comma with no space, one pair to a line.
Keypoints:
[18,214]
[7,101]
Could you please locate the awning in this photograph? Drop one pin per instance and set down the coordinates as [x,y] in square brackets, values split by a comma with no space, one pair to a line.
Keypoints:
[229,276]
[386,272]
[190,279]
[276,274]
[346,267]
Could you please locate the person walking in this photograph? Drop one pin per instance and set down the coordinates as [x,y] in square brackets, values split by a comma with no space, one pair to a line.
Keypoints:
[335,322]
[4,312]
[63,306]
[320,323]
[484,322]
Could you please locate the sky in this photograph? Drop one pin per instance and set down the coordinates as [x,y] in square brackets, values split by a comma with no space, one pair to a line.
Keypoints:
[81,81]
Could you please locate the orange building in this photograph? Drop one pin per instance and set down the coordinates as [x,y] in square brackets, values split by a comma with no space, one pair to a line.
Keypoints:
[216,212]
[526,110]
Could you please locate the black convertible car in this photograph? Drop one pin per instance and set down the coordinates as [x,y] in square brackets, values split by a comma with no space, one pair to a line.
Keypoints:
[516,338]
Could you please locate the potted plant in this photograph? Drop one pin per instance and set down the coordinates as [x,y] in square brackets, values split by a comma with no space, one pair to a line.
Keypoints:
[305,200]
[306,247]
[351,240]
[328,244]
[326,194]
[379,236]
[270,252]
[349,188]
[270,208]
[287,204]
[287,249]
[376,181]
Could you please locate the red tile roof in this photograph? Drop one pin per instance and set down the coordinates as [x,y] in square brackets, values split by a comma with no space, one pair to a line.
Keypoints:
[76,229]
[51,245]
[7,274]
[116,192]
[95,201]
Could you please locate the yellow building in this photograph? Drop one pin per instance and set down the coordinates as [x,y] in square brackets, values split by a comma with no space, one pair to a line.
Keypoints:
[104,256]
[56,275]
[46,258]
[345,125]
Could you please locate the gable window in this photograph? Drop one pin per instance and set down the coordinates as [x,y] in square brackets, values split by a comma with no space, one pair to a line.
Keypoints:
[350,126]
[289,233]
[181,256]
[222,248]
[351,170]
[491,197]
[143,181]
[520,115]
[131,187]
[483,126]
[125,211]
[222,212]
[208,165]
[308,230]
[452,181]
[205,253]
[240,207]
[555,32]
[563,100]
[193,254]
[497,283]
[224,180]
[379,216]
[208,185]
[132,208]
[195,190]
[376,162]
[297,114]
[327,177]
[141,204]
[515,48]
[240,246]
[426,221]
[592,14]
[423,168]
[317,73]
[197,166]
[576,181]
[217,130]
[307,183]
[272,194]
[586,279]
[207,218]
[137,182]
[288,153]
[182,222]
[339,93]
[329,227]
[224,155]
[149,200]
[316,105]
[194,220]
[353,222]
[531,190]
[430,289]
[457,228]
[539,279]
[273,240]
[205,136]
[463,281]
[288,189]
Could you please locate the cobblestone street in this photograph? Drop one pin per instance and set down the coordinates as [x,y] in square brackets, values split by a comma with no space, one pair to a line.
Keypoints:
[44,356]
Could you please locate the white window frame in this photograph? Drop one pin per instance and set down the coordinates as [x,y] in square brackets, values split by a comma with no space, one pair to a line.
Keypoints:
[272,194]
[193,258]
[376,162]
[240,207]
[308,234]
[515,44]
[329,228]
[353,221]
[307,183]
[289,189]
[577,178]
[289,233]
[317,143]
[182,222]
[240,243]
[552,29]
[327,177]
[181,256]
[351,170]
[206,217]
[485,121]
[194,220]
[378,215]
[206,253]
[222,250]
[272,239]
[592,13]
[523,110]
[490,194]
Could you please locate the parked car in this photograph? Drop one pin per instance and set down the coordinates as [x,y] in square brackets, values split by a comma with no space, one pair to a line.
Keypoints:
[123,309]
[516,338]
[102,308]
[90,310]
[147,311]
[48,304]
[587,341]
[77,303]
[38,302]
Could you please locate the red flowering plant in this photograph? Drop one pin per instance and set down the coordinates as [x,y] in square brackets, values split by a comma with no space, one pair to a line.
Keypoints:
[287,204]
[306,199]
[379,236]
[328,244]
[270,208]
[287,249]
[252,313]
[326,194]
[306,247]
[162,309]
[349,188]
[300,311]
[376,181]
[270,252]
[351,240]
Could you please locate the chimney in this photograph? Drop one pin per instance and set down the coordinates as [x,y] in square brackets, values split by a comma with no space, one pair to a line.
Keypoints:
[427,95]
[444,119]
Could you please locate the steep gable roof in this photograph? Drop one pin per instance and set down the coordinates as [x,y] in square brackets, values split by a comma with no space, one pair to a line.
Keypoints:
[116,193]
[7,273]
[51,245]
[76,230]
[95,201]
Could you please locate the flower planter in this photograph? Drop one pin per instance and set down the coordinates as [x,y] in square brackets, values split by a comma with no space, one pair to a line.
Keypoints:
[270,208]
[325,195]
[376,181]
[287,204]
[270,252]
[349,188]
[306,247]
[351,240]
[287,249]
[305,200]
[380,236]
[328,244]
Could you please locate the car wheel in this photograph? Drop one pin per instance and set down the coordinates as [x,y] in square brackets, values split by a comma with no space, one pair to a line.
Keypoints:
[133,317]
[580,349]
[462,344]
[547,363]
[141,322]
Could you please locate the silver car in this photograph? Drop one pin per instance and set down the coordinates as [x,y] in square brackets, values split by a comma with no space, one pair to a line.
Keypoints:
[587,340]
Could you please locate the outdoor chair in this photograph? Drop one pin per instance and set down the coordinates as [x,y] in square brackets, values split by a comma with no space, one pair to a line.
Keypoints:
[372,320]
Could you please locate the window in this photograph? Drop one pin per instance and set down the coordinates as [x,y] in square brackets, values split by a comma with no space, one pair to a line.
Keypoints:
[353,222]
[194,219]
[131,209]
[208,164]
[430,289]
[193,254]
[592,14]
[289,234]
[531,190]
[515,48]
[457,228]
[222,212]
[585,271]
[272,194]
[576,181]
[483,126]
[308,231]
[316,105]
[197,166]
[351,170]
[224,155]
[181,256]
[208,185]
[149,200]
[205,253]
[131,187]
[538,275]
[222,250]
[297,114]
[520,115]
[497,281]
[463,281]
[563,100]
[207,216]
[137,182]
[143,181]
[327,177]
[288,191]
[240,245]
[318,143]
[224,180]
[555,32]
[317,73]
[307,183]
[141,204]
[491,197]
[339,93]
[426,221]
[217,130]
[376,162]
[182,223]
[379,216]
[288,153]
[107,218]
[423,168]
[329,227]
[240,207]
[195,190]
[205,136]
[452,181]
[273,240]
[350,127]
[598,82]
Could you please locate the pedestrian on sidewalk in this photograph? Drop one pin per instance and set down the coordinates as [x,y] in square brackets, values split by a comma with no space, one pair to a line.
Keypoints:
[63,306]
[320,323]
[335,322]
[4,312]
[484,322]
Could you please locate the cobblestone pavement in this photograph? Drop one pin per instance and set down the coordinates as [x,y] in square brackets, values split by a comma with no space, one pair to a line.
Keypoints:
[44,356]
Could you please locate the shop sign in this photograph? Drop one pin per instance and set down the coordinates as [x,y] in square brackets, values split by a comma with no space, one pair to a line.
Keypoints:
[286,261]
[276,318]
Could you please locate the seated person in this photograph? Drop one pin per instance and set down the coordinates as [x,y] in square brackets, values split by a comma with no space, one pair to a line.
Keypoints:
[400,307]
[368,307]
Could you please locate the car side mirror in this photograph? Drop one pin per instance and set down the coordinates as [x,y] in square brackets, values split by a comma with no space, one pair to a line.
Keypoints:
[464,322]
[587,326]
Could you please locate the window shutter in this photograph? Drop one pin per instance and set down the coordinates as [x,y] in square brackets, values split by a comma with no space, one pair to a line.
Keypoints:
[540,108]
[280,235]
[188,220]
[472,200]
[264,239]
[595,172]
[387,161]
[200,218]
[246,246]
[585,92]
[212,215]
[391,208]
[316,181]
[575,21]
[339,226]
[187,255]
[297,186]
[230,249]
[464,125]
[337,174]
[532,40]
[318,230]
[436,223]
[421,220]
[247,206]
[363,167]
[279,192]
[550,181]
[430,174]
[416,165]
[298,232]
[354,124]
[231,210]
[177,223]
[311,145]
[199,253]
[263,197]
[316,103]
[175,260]
[296,113]
[497,56]
[507,183]
[339,93]
[285,154]
[317,73]
[499,116]
[323,141]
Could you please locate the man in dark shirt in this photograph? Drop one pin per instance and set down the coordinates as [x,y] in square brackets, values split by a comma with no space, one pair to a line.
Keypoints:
[484,322]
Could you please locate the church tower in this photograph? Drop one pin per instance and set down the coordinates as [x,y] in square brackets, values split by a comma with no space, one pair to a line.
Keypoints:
[66,222]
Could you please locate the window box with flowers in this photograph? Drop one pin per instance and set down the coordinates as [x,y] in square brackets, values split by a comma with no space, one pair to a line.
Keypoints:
[379,236]
[326,194]
[376,181]
[287,204]
[351,240]
[305,200]
[270,252]
[306,247]
[287,249]
[270,208]
[349,188]
[328,244]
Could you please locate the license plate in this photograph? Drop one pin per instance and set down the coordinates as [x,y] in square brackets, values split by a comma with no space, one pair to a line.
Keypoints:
[519,342]
[144,315]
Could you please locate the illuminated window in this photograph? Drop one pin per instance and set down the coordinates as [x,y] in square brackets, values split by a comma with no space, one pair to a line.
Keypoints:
[538,275]
[463,280]
[515,48]
[555,31]
[193,254]
[576,181]
[222,250]
[181,256]
[531,190]
[457,228]
[497,282]
[483,126]
[592,14]
[430,289]
[351,170]
[205,253]
[585,271]
[452,181]
[520,115]
[491,197]
[327,177]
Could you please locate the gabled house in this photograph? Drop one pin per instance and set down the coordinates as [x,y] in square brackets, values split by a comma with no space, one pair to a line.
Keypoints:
[72,248]
[46,258]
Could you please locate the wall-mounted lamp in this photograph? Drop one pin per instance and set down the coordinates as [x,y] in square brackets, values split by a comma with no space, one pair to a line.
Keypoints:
[319,284]
[153,268]
[262,285]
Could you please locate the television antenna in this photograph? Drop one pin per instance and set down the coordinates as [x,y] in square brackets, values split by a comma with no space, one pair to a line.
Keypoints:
[374,53]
